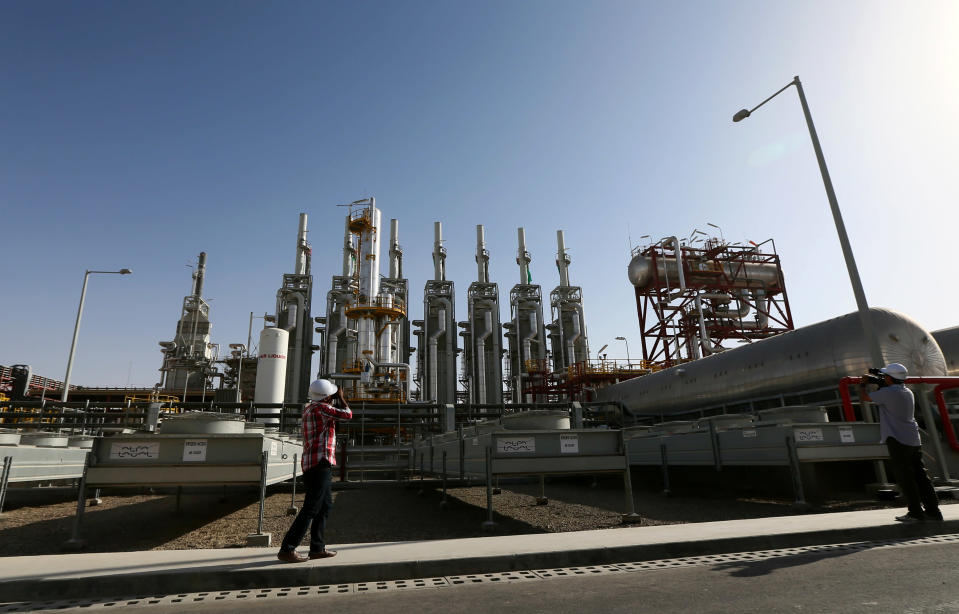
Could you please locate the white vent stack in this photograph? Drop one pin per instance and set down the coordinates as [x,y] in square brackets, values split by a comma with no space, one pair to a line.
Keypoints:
[567,332]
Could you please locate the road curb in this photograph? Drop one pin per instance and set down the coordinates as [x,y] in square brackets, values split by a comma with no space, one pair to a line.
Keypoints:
[277,575]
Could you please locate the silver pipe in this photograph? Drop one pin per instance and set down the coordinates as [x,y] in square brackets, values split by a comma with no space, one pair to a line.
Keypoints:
[562,259]
[439,254]
[299,267]
[200,274]
[522,257]
[707,345]
[348,249]
[434,345]
[482,256]
[679,259]
[334,338]
[396,254]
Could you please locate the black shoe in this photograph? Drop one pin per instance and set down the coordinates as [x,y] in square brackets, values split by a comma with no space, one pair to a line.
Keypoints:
[908,518]
[936,515]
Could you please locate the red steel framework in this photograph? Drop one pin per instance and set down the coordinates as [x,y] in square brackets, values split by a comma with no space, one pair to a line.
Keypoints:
[674,313]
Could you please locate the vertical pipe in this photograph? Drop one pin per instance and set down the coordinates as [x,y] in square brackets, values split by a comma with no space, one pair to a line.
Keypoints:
[562,259]
[522,257]
[200,274]
[395,254]
[439,253]
[347,249]
[299,266]
[482,256]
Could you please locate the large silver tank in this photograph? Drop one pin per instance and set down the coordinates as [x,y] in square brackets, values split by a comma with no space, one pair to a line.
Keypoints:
[749,275]
[948,340]
[809,358]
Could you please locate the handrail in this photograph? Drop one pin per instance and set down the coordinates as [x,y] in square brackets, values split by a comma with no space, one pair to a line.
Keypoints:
[941,383]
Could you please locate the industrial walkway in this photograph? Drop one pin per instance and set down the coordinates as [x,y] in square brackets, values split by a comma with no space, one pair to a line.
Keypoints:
[162,572]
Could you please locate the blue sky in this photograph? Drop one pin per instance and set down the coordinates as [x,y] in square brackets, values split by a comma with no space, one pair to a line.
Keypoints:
[137,134]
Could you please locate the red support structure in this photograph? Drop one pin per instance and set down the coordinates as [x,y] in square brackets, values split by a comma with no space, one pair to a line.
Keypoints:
[733,293]
[941,384]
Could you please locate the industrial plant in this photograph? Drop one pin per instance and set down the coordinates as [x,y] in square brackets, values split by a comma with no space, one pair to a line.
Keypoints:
[725,379]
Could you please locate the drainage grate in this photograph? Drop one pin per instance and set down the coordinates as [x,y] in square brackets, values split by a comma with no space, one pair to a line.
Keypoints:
[144,601]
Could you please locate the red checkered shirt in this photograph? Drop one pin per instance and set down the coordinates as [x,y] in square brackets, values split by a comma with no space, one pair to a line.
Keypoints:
[319,433]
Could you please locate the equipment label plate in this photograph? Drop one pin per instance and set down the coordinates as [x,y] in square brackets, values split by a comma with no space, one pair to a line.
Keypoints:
[846,435]
[807,434]
[194,450]
[569,444]
[749,432]
[139,450]
[515,445]
[274,448]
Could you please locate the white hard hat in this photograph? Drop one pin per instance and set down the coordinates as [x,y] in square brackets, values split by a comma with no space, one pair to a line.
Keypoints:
[895,371]
[322,388]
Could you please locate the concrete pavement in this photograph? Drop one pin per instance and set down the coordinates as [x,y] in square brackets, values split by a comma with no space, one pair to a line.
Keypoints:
[28,578]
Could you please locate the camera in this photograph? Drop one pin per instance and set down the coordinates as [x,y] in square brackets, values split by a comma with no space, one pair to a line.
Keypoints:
[875,376]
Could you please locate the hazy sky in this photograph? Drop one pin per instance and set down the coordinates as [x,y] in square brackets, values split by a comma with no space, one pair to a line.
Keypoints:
[137,134]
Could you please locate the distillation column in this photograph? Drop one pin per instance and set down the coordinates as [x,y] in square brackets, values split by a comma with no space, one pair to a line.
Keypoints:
[366,319]
[188,359]
[293,314]
[337,345]
[437,339]
[484,350]
[568,329]
[526,333]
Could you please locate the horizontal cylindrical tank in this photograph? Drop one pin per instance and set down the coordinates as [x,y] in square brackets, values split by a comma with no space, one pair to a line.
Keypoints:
[810,358]
[271,370]
[703,272]
[948,340]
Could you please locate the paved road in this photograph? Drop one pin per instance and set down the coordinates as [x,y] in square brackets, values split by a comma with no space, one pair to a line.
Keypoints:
[914,578]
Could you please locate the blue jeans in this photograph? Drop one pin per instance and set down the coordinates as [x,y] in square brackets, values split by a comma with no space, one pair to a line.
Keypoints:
[316,509]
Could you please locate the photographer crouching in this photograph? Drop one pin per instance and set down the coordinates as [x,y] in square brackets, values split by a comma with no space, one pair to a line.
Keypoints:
[899,431]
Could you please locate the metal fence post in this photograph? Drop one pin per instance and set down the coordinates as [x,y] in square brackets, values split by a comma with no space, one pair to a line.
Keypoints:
[4,479]
[489,525]
[75,543]
[264,462]
[665,461]
[794,470]
[630,516]
[291,511]
[444,503]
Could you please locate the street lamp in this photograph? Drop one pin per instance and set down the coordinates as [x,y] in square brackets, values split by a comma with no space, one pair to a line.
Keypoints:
[721,237]
[76,328]
[240,350]
[864,316]
[600,351]
[628,361]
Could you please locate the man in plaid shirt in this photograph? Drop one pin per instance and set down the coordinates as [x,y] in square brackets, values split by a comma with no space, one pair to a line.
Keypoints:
[319,449]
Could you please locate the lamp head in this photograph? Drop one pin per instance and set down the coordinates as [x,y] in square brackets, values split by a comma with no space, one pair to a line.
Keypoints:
[620,338]
[741,115]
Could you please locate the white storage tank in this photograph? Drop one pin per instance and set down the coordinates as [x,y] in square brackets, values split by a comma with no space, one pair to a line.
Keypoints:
[271,371]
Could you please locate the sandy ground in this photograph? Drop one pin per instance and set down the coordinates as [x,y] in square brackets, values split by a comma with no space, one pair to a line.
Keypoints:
[40,522]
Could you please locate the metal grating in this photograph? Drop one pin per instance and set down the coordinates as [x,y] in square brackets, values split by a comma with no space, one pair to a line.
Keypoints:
[462,580]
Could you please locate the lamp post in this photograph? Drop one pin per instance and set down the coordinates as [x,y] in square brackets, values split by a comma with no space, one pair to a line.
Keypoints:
[240,350]
[629,362]
[76,327]
[865,318]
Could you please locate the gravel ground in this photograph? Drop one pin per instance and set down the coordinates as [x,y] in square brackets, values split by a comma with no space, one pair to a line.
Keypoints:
[30,525]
